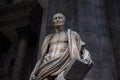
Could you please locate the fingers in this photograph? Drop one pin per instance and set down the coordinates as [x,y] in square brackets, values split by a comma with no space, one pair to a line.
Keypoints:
[32,77]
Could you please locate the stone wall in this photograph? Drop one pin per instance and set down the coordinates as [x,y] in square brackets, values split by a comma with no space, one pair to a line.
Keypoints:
[113,8]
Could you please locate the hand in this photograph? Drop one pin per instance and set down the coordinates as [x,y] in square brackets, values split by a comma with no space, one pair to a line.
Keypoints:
[87,61]
[60,76]
[32,76]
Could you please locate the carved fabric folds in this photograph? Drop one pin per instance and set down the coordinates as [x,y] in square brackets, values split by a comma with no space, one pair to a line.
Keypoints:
[60,63]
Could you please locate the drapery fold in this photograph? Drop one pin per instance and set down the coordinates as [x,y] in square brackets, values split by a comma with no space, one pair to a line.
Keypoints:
[60,63]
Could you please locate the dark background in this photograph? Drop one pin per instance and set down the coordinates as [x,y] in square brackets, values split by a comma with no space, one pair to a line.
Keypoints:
[25,23]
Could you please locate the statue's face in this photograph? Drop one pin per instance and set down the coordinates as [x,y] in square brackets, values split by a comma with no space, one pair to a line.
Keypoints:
[58,20]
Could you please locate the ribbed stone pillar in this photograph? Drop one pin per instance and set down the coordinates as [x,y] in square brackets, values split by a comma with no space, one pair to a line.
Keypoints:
[19,61]
[113,8]
[94,30]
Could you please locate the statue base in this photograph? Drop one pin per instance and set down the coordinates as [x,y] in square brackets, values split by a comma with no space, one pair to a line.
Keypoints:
[77,71]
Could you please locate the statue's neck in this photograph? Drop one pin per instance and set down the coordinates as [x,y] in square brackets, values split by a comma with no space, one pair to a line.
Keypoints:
[59,30]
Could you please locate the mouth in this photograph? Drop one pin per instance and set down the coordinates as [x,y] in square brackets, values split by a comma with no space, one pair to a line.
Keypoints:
[58,23]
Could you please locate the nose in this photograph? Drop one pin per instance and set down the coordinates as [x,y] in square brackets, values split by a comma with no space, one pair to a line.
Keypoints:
[57,19]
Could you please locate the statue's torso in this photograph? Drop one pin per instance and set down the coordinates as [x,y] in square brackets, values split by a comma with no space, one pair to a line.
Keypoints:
[58,44]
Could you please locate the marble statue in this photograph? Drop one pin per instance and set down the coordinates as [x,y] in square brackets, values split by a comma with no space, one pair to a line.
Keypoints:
[58,50]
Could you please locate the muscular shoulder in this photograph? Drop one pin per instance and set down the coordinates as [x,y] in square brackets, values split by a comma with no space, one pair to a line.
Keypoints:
[49,36]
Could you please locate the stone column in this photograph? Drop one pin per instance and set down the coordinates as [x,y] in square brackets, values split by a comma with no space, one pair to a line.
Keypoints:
[113,8]
[9,61]
[94,30]
[4,47]
[19,62]
[26,55]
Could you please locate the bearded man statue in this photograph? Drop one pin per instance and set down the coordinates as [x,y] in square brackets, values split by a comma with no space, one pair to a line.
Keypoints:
[59,49]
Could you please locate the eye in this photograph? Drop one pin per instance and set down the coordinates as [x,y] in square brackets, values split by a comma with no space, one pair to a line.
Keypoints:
[59,17]
[55,18]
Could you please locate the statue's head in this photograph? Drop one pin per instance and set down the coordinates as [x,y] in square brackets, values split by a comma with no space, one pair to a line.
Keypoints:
[58,20]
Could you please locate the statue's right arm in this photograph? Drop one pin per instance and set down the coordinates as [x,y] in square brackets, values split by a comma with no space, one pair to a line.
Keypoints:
[37,66]
[43,52]
[32,75]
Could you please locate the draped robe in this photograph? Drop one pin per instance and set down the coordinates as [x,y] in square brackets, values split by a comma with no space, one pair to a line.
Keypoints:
[59,64]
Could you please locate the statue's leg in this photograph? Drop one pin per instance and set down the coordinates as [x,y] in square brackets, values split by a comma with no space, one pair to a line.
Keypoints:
[60,76]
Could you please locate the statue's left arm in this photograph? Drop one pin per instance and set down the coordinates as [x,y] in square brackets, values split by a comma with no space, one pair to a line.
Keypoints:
[85,56]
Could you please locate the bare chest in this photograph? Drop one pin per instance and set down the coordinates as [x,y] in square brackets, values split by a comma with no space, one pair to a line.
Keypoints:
[59,37]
